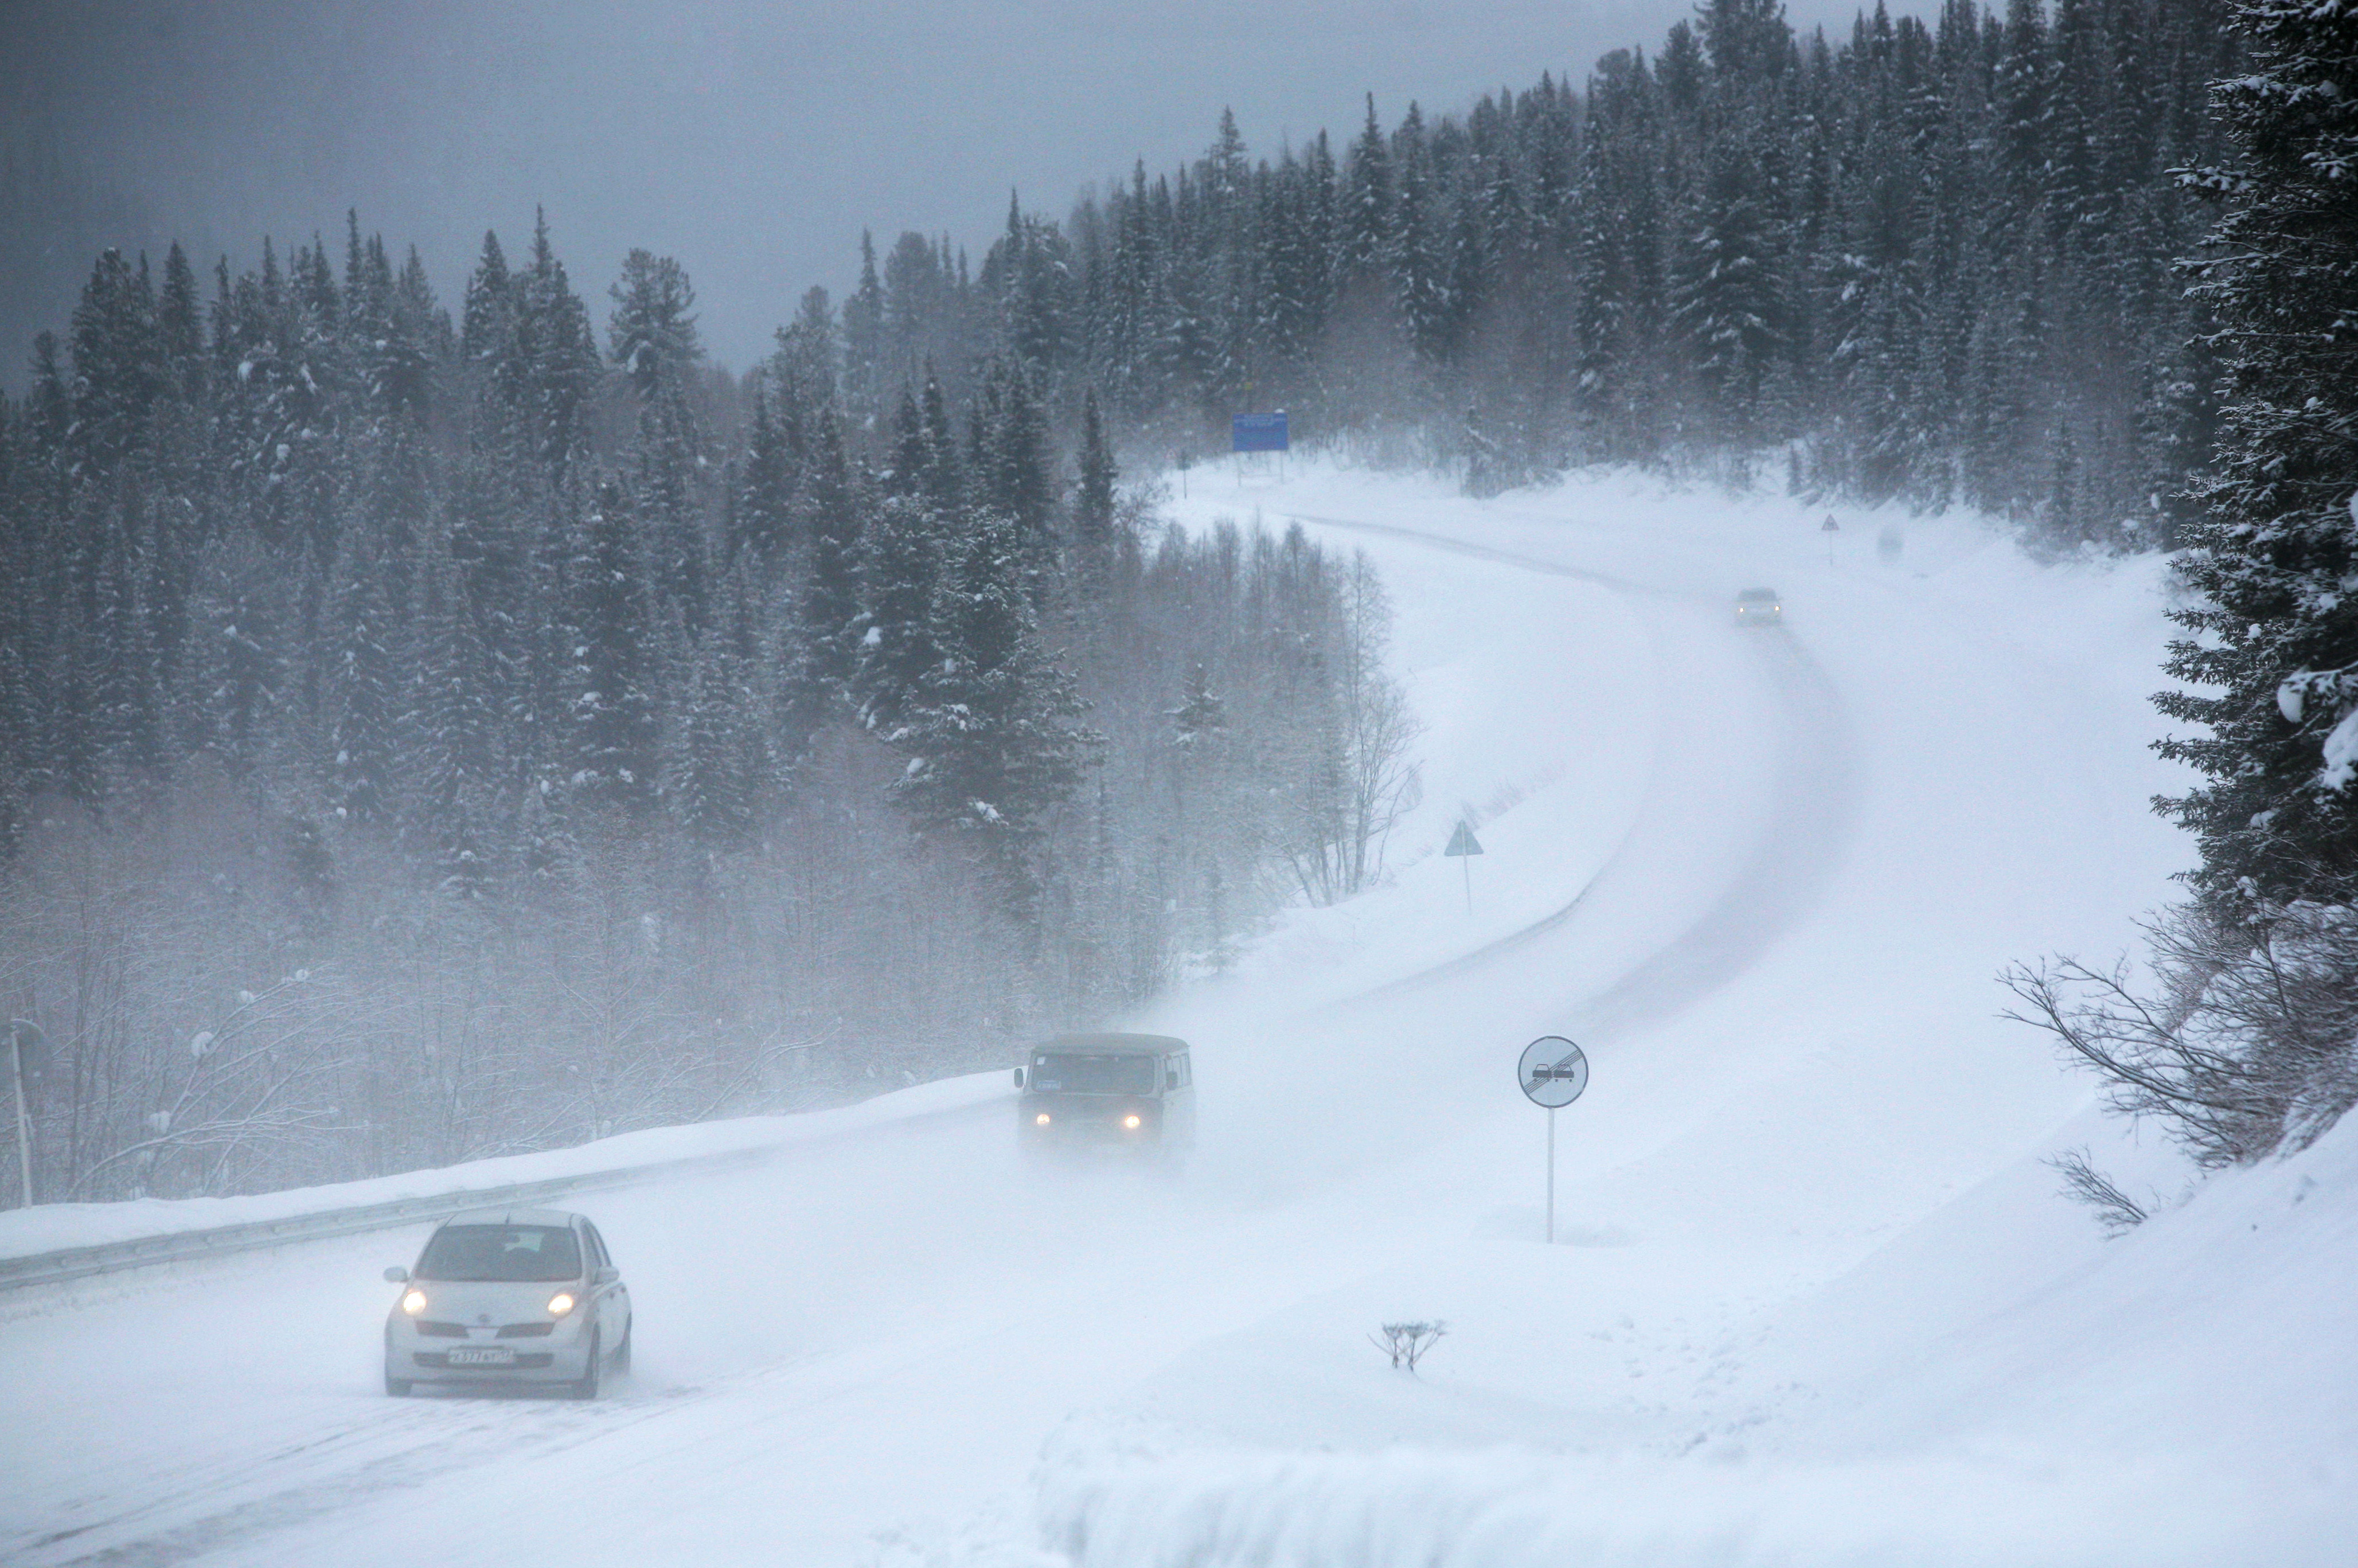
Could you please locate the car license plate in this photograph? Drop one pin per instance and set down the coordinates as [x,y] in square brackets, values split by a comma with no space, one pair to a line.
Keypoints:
[484,1355]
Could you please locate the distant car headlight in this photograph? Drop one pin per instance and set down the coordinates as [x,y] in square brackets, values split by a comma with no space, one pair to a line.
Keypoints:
[1041,1120]
[413,1302]
[560,1303]
[1130,1121]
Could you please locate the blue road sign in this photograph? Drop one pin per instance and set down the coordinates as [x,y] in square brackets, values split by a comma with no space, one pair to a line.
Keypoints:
[1259,432]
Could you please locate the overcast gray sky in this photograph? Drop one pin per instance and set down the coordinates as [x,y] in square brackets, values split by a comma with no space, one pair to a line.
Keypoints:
[752,141]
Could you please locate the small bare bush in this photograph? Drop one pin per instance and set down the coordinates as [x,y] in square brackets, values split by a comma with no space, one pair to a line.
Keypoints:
[1406,1343]
[2116,1212]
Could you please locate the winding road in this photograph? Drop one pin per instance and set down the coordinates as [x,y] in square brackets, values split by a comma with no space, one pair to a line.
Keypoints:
[853,1344]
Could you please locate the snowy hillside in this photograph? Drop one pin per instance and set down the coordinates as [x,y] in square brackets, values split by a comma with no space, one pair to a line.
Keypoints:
[1822,1303]
[1814,1299]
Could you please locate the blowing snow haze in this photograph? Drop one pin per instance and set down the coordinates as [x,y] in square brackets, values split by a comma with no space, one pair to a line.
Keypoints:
[753,142]
[872,906]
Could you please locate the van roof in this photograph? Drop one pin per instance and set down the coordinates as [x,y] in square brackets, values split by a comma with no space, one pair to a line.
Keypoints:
[1115,1044]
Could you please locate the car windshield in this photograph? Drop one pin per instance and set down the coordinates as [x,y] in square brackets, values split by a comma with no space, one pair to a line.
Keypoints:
[1759,595]
[516,1252]
[1090,1075]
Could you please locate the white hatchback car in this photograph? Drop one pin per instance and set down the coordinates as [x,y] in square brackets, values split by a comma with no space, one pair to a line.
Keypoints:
[508,1297]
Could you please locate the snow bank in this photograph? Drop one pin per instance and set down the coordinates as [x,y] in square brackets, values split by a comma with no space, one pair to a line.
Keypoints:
[1415,1509]
[51,1228]
[2172,1401]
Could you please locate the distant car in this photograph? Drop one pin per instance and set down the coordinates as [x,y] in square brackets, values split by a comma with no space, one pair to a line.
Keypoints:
[1108,1094]
[1759,607]
[509,1297]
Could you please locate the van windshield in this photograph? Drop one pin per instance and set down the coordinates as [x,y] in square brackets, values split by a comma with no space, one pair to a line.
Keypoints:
[501,1252]
[1078,1074]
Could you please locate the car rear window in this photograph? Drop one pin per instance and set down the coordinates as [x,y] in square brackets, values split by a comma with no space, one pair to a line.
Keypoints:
[543,1252]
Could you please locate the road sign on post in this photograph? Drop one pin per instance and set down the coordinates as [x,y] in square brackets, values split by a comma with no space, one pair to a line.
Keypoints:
[1830,528]
[1553,1072]
[1463,847]
[1259,432]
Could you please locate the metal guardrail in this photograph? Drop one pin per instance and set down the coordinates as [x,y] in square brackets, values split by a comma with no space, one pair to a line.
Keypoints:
[180,1245]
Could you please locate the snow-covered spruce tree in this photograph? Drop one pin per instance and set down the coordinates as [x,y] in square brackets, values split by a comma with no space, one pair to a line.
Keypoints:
[2248,1048]
[1724,303]
[710,782]
[993,730]
[1093,501]
[364,701]
[895,641]
[613,717]
[563,369]
[863,336]
[655,339]
[821,636]
[765,488]
[1012,472]
[2274,551]
[20,710]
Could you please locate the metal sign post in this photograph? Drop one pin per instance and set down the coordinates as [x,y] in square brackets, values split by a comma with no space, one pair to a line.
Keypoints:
[1830,528]
[1464,847]
[1553,1072]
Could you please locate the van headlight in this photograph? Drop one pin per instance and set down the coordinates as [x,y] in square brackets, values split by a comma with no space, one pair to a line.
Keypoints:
[413,1302]
[1130,1121]
[1041,1120]
[560,1303]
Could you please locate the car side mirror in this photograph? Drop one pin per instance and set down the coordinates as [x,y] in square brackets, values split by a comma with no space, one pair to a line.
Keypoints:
[605,1276]
[1171,1077]
[1018,1077]
[396,1275]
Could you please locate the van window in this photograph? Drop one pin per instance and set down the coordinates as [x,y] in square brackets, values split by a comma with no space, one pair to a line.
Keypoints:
[1080,1073]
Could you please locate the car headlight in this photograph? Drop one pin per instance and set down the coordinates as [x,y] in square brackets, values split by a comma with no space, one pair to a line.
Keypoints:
[1041,1120]
[1130,1121]
[413,1302]
[560,1303]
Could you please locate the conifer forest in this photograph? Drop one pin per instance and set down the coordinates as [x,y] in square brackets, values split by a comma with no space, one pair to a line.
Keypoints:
[434,728]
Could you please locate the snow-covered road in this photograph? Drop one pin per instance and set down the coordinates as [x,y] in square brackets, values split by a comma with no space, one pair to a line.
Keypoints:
[1804,795]
[1766,878]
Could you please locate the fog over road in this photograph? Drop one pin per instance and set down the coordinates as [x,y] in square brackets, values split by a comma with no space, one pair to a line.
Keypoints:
[1806,792]
[855,1351]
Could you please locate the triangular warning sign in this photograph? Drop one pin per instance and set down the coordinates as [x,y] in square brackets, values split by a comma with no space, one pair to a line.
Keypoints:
[1463,842]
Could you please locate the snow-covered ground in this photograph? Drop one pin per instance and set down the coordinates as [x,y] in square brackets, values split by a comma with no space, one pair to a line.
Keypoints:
[1814,1301]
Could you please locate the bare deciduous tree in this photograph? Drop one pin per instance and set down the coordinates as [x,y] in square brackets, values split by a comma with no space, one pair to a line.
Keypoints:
[2251,1045]
[1356,775]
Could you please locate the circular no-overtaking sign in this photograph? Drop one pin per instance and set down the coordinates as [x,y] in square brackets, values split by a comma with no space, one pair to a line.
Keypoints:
[1553,1071]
